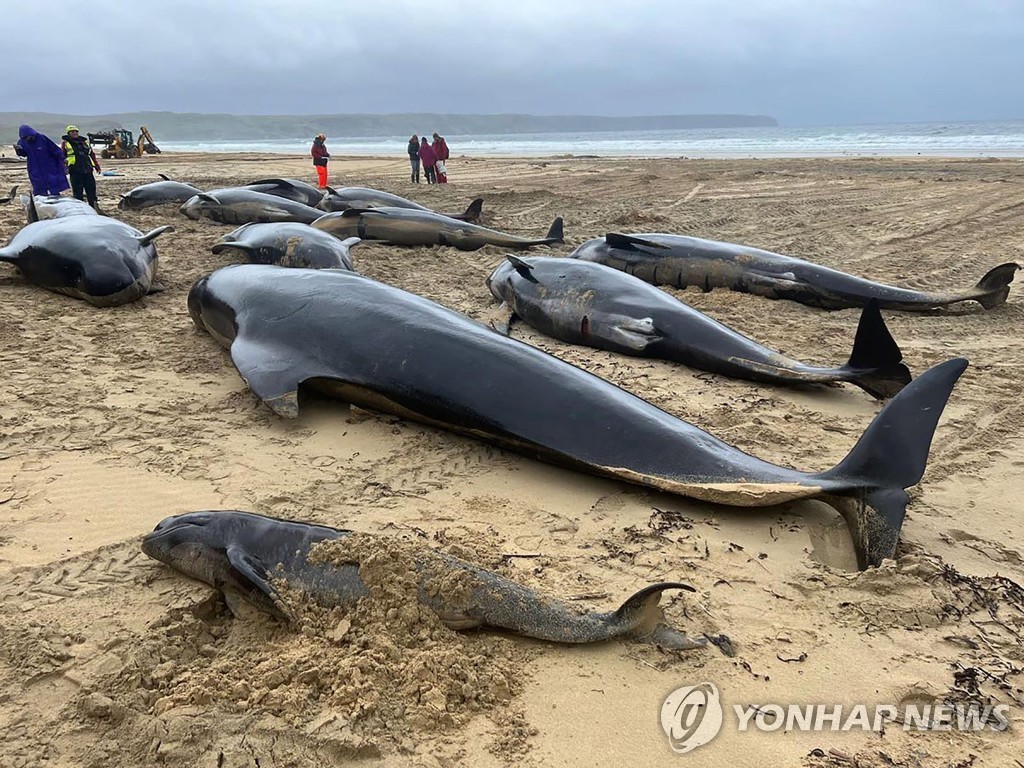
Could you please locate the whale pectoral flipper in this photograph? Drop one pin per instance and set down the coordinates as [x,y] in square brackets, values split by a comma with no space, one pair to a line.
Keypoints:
[149,237]
[273,375]
[251,569]
[636,333]
[252,573]
[524,268]
[500,318]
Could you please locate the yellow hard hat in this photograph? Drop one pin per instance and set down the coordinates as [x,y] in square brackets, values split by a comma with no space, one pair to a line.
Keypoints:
[71,128]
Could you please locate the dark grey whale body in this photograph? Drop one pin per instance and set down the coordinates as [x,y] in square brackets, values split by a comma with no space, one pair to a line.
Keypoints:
[364,197]
[327,329]
[290,189]
[682,261]
[583,302]
[245,555]
[94,258]
[402,226]
[237,205]
[287,244]
[157,193]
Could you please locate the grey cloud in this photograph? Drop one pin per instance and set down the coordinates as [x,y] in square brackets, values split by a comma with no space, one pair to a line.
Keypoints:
[802,61]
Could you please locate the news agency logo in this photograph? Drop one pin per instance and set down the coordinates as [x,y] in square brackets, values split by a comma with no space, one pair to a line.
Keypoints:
[692,716]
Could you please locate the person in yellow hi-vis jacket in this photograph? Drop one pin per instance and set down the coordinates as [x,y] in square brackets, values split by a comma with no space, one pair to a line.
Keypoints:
[81,161]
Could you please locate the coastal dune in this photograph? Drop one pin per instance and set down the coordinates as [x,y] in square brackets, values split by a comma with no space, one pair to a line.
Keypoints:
[113,419]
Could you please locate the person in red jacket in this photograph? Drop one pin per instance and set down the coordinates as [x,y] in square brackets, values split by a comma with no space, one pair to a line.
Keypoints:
[320,157]
[440,147]
[428,158]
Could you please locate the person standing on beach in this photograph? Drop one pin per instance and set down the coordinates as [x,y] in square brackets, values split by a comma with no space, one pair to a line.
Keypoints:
[440,147]
[428,158]
[80,161]
[320,156]
[414,158]
[45,161]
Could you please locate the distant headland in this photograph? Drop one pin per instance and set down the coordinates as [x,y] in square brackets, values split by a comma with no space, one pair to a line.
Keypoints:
[180,126]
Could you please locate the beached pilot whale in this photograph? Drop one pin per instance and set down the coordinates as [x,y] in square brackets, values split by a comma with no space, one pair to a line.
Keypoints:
[237,205]
[326,329]
[290,189]
[287,244]
[94,258]
[248,556]
[364,197]
[681,261]
[402,226]
[583,302]
[157,193]
[43,207]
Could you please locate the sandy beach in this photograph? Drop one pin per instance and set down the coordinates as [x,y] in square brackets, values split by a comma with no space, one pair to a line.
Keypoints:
[112,419]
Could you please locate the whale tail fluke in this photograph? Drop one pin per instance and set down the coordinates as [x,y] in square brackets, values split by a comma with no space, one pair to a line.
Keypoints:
[876,361]
[10,195]
[994,287]
[889,457]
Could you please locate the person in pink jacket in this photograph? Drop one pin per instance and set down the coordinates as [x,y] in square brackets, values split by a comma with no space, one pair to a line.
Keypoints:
[440,147]
[429,159]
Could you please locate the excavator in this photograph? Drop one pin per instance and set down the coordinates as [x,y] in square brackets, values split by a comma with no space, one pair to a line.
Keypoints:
[120,143]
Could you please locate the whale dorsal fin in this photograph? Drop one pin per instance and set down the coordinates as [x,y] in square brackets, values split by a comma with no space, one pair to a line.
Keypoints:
[362,211]
[165,177]
[629,242]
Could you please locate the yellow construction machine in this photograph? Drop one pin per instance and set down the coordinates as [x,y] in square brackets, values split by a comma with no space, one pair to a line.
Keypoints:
[120,143]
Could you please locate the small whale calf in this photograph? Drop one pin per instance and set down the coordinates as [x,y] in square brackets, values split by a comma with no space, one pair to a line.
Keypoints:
[250,557]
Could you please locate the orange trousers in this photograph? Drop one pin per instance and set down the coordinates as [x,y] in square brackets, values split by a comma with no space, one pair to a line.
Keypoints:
[321,174]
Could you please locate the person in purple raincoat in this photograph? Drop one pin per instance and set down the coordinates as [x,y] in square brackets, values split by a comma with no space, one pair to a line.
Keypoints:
[45,162]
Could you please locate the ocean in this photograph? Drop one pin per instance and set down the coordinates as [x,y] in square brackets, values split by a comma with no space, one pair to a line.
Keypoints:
[951,139]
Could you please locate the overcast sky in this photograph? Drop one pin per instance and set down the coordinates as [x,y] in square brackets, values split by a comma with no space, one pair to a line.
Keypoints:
[804,62]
